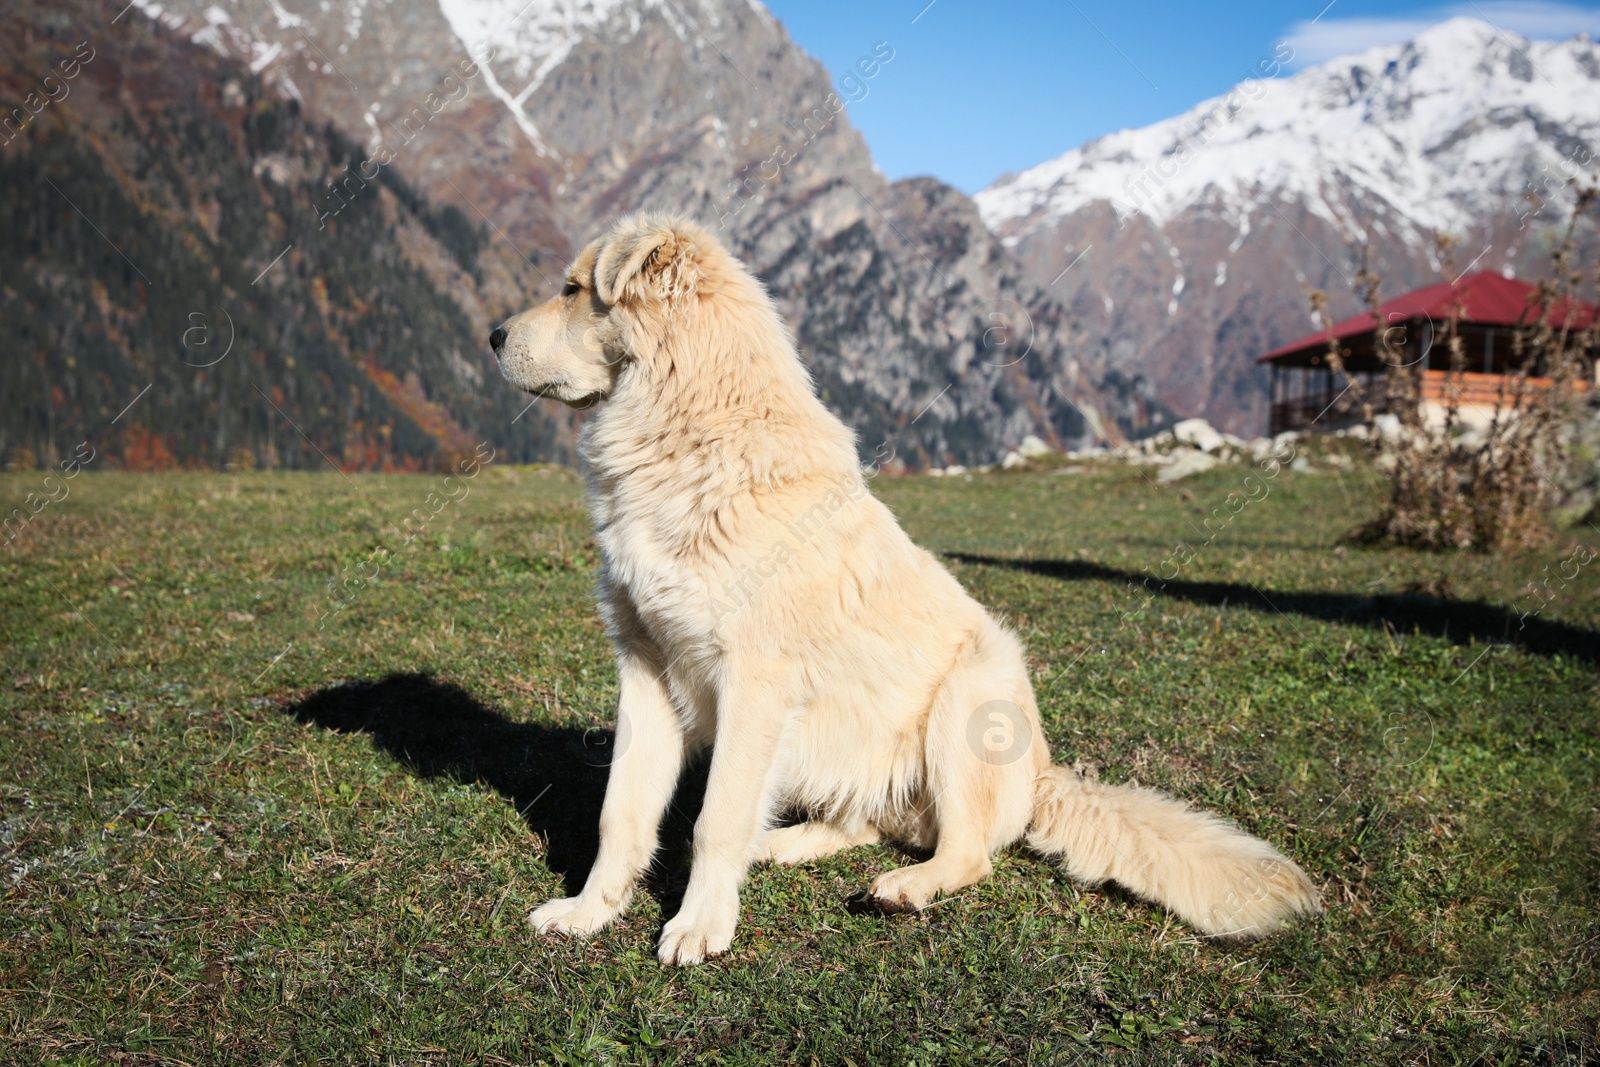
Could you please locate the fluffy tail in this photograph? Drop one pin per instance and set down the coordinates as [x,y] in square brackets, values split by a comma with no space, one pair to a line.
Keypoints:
[1206,871]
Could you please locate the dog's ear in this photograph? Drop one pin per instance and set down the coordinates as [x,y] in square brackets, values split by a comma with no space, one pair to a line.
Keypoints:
[643,255]
[622,258]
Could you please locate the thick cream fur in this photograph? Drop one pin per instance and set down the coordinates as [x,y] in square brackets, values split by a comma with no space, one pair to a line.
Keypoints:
[764,603]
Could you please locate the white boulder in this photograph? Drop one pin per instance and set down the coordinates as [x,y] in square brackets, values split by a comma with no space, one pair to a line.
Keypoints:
[1198,433]
[1033,447]
[1185,464]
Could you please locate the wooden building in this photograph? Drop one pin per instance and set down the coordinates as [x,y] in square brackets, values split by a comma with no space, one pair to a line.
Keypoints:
[1489,309]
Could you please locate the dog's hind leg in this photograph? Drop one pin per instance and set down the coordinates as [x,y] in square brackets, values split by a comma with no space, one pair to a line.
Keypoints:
[963,811]
[648,757]
[810,841]
[981,754]
[959,861]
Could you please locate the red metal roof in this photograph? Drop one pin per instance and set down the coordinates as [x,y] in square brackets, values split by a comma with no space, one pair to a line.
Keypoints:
[1486,298]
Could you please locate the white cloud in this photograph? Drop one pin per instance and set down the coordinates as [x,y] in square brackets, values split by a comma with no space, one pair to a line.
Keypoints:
[1325,38]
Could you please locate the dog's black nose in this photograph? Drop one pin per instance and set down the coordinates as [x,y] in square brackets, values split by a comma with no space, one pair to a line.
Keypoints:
[497,339]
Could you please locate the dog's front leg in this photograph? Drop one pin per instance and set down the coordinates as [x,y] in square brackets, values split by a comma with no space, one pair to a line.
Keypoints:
[750,721]
[647,759]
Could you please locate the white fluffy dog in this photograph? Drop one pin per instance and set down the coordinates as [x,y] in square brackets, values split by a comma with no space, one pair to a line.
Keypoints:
[764,603]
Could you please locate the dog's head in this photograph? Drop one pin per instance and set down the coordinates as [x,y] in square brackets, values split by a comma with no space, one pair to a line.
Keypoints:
[574,347]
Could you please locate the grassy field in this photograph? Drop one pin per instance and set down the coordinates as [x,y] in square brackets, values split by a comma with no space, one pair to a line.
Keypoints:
[238,827]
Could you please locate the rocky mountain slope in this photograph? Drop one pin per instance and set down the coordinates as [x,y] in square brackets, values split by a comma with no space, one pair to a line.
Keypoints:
[921,329]
[1192,242]
[180,285]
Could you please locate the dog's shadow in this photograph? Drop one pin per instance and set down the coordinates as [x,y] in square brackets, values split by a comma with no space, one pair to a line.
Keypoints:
[1459,622]
[555,776]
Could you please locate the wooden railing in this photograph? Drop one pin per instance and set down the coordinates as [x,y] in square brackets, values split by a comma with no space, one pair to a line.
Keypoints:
[1483,390]
[1470,390]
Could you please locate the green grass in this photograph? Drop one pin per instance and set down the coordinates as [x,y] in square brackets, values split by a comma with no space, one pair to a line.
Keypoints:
[229,836]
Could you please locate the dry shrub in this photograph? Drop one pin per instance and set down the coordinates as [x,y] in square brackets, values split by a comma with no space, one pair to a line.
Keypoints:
[1453,485]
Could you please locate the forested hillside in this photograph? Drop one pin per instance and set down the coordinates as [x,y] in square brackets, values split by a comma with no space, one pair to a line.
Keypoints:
[182,283]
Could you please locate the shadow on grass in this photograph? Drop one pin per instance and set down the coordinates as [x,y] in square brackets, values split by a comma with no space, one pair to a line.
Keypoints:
[555,776]
[1460,622]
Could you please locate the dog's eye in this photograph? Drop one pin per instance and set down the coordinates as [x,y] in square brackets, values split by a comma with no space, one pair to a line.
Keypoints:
[571,289]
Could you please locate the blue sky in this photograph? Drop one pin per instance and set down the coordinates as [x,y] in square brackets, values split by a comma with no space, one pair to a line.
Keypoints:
[977,88]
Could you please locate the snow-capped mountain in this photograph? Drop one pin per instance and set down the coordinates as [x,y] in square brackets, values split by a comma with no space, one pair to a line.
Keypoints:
[1446,129]
[1199,235]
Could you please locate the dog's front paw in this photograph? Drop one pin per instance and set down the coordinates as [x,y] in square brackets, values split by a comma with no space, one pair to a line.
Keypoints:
[577,916]
[689,938]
